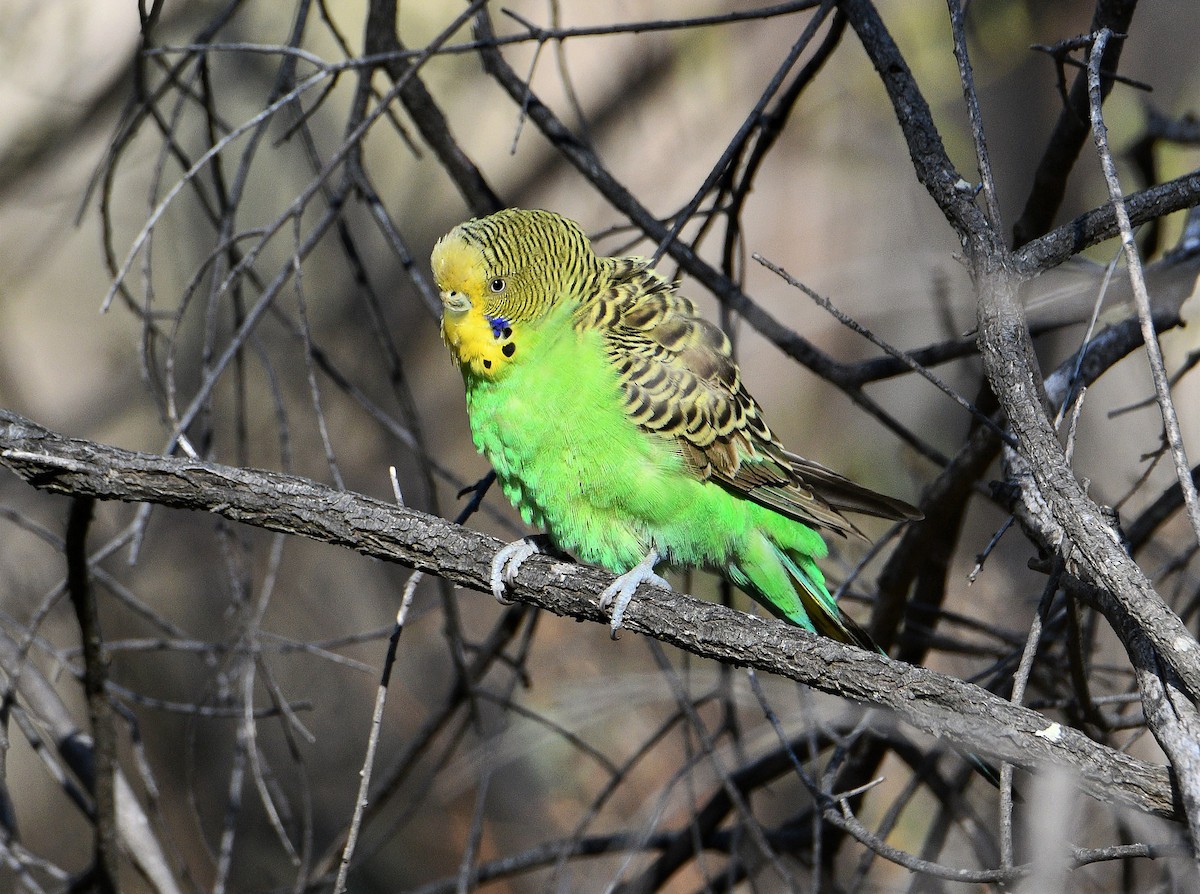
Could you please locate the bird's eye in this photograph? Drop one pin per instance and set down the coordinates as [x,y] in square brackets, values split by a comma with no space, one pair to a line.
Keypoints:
[496,285]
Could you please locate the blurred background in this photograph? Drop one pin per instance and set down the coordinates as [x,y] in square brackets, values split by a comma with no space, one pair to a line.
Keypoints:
[125,291]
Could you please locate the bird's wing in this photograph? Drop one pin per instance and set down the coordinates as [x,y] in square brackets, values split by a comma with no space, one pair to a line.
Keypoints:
[679,380]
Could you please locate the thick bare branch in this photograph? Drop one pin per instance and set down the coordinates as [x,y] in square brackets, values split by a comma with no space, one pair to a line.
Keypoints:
[943,706]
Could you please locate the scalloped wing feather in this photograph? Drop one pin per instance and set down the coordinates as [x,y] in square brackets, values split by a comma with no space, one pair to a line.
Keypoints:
[679,380]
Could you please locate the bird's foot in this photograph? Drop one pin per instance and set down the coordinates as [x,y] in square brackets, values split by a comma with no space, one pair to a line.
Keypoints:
[507,563]
[619,593]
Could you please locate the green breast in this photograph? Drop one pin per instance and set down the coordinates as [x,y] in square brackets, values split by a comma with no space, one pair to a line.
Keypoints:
[565,452]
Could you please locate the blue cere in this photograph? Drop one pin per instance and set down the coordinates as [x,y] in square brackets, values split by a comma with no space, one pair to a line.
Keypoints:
[499,326]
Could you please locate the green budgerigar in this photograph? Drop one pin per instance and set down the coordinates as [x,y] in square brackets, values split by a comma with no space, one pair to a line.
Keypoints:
[616,420]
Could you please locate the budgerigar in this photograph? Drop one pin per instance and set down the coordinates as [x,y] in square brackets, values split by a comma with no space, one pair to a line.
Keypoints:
[616,420]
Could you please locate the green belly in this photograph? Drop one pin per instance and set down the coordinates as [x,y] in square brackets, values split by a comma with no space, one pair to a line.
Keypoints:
[574,465]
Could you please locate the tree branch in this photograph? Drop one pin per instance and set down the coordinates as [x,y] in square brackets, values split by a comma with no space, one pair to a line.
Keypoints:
[382,40]
[940,705]
[1095,226]
[937,174]
[101,780]
[1071,130]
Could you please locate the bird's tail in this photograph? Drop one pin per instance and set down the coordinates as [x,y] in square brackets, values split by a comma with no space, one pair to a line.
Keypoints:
[826,615]
[791,586]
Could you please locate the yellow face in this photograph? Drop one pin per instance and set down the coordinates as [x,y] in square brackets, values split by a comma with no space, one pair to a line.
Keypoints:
[511,270]
[480,341]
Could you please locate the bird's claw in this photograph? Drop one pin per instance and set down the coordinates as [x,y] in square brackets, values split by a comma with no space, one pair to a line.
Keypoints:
[506,564]
[620,592]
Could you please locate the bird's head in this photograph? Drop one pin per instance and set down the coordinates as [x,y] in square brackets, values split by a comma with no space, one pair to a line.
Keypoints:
[502,273]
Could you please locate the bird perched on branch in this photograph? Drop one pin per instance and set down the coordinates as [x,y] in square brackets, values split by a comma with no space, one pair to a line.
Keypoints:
[616,420]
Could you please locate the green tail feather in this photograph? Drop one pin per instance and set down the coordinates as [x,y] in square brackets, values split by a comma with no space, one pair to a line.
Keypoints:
[791,586]
[824,614]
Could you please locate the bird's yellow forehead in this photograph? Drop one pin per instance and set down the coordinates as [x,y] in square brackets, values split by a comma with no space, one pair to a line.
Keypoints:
[458,265]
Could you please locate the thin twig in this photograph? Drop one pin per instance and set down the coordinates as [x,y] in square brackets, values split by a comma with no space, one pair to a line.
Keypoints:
[1137,279]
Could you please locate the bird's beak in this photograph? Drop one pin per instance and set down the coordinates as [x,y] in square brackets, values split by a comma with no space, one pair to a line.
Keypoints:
[455,302]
